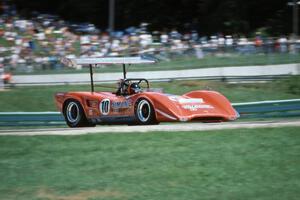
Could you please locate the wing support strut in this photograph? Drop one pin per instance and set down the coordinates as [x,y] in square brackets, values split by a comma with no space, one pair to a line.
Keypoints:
[92,78]
[124,71]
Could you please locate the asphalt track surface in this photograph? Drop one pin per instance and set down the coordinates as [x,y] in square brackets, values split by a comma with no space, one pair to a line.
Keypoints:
[153,128]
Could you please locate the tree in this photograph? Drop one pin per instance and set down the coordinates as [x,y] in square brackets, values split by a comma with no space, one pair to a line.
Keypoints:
[207,16]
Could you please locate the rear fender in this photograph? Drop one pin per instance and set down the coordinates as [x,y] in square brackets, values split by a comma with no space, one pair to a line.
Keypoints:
[79,99]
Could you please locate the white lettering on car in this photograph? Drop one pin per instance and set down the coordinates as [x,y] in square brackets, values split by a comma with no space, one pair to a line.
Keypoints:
[196,107]
[182,100]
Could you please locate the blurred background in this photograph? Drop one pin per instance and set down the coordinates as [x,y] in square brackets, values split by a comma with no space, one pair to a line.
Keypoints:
[35,34]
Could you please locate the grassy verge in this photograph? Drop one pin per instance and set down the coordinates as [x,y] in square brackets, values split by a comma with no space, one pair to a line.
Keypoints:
[231,164]
[182,63]
[41,98]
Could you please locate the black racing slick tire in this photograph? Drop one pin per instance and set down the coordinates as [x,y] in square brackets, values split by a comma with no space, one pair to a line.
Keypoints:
[144,112]
[74,114]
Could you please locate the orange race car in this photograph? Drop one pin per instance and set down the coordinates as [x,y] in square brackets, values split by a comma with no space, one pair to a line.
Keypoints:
[132,104]
[6,78]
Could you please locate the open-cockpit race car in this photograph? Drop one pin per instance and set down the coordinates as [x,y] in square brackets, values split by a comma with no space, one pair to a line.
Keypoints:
[132,105]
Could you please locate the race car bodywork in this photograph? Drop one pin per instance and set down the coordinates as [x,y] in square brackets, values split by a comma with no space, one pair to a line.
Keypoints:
[6,77]
[143,107]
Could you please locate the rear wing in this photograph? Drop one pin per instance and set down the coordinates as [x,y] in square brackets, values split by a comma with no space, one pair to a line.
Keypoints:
[107,61]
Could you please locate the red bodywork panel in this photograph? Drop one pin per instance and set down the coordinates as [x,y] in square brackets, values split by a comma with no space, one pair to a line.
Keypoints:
[6,77]
[199,105]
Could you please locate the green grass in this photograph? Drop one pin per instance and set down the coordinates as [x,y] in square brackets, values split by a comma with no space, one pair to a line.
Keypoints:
[41,98]
[181,63]
[5,43]
[232,164]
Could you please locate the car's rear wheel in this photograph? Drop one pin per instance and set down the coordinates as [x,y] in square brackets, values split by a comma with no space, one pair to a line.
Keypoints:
[144,112]
[74,114]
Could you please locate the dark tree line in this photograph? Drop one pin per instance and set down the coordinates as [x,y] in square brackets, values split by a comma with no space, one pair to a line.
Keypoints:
[206,16]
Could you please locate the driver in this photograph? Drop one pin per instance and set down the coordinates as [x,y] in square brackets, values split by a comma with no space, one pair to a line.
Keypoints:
[121,87]
[134,88]
[126,88]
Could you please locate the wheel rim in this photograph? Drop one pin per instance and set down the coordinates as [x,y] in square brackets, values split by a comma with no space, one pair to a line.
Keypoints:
[72,112]
[144,111]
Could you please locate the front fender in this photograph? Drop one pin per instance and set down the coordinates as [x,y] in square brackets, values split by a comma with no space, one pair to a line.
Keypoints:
[214,98]
[165,109]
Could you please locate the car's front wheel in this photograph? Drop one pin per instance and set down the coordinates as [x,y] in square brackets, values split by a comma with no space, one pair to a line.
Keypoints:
[144,112]
[74,114]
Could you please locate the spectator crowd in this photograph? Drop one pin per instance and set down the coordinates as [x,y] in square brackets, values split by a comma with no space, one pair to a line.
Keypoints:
[40,42]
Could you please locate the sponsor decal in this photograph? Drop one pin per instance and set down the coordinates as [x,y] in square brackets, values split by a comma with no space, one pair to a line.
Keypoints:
[182,100]
[174,98]
[191,100]
[196,107]
[121,104]
[60,94]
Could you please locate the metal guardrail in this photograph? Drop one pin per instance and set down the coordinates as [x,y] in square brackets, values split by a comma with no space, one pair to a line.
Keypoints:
[261,109]
[31,119]
[269,109]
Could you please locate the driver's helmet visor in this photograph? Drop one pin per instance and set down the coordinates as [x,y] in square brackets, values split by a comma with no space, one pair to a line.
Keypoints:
[136,89]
